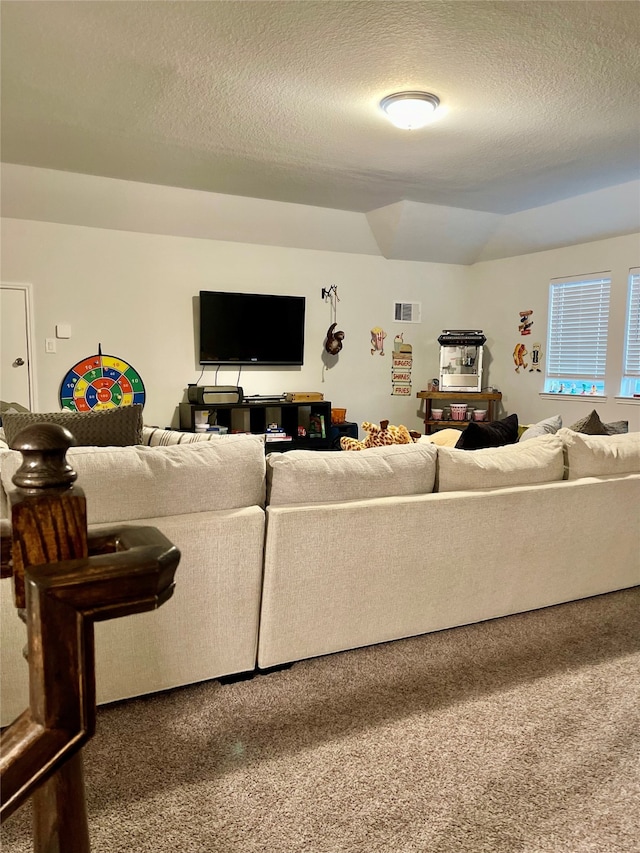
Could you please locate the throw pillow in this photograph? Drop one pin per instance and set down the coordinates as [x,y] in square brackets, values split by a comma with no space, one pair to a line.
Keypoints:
[617,427]
[106,428]
[589,425]
[548,426]
[493,434]
[156,437]
[442,437]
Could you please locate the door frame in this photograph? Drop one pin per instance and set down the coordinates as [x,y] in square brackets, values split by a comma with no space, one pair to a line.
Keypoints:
[31,353]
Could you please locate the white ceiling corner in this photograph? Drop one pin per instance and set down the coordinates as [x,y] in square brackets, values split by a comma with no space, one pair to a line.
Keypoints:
[584,218]
[385,223]
[430,232]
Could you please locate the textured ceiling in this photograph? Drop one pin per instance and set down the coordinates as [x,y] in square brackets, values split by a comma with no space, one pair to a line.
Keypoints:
[278,100]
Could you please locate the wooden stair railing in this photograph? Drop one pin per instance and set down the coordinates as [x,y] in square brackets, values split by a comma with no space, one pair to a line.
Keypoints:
[64,580]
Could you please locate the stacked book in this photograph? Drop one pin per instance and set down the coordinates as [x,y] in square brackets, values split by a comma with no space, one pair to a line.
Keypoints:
[273,434]
[304,396]
[264,399]
[317,427]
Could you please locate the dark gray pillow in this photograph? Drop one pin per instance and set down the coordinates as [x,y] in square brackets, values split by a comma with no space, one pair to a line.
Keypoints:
[590,425]
[106,428]
[617,427]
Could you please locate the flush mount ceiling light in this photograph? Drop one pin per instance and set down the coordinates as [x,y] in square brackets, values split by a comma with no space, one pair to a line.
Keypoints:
[410,110]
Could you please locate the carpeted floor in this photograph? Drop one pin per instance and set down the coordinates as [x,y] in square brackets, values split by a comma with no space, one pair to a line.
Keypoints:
[520,735]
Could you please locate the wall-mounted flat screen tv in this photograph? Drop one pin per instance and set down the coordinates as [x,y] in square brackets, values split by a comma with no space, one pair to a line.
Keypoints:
[251,328]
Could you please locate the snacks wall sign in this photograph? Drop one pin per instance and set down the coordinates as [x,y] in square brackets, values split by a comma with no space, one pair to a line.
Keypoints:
[401,364]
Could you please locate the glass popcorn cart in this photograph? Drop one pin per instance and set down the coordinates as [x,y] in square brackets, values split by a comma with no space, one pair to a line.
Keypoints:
[461,359]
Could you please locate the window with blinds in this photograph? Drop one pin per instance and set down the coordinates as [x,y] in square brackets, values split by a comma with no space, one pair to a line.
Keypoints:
[631,368]
[577,334]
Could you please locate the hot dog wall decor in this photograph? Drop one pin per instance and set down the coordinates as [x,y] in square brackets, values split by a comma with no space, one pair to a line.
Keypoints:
[526,359]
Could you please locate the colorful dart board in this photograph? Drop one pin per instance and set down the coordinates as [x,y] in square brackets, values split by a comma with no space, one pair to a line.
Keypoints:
[101,382]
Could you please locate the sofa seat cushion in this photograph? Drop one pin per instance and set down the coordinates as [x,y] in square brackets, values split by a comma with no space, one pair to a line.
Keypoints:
[479,435]
[126,483]
[539,460]
[107,428]
[317,476]
[600,455]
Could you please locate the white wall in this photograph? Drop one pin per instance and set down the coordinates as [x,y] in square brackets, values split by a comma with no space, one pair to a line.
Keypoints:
[502,288]
[133,291]
[134,294]
[405,230]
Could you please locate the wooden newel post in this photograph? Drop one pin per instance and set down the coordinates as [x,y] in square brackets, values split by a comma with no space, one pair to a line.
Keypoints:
[49,524]
[48,516]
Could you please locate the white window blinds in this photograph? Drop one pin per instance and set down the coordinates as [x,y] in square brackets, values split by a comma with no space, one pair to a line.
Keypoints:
[632,333]
[578,325]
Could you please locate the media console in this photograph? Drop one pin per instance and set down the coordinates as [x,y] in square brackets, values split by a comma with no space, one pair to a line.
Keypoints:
[306,425]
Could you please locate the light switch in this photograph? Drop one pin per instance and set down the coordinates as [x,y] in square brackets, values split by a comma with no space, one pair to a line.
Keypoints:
[63,330]
[49,344]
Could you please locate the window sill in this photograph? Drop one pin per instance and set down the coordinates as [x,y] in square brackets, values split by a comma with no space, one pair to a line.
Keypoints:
[629,401]
[585,397]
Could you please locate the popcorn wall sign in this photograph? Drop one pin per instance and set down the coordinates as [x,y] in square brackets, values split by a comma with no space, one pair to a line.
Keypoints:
[401,364]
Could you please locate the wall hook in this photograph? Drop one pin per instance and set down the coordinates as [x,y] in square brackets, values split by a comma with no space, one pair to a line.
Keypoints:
[328,291]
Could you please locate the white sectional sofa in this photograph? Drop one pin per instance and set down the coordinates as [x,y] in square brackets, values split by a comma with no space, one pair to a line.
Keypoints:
[316,552]
[208,499]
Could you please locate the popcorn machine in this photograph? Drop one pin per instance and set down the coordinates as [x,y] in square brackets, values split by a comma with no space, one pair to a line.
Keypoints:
[461,359]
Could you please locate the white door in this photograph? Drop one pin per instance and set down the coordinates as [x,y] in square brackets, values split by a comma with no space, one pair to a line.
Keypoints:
[15,351]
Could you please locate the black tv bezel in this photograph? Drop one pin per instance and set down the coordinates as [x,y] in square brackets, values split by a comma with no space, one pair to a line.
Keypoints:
[253,362]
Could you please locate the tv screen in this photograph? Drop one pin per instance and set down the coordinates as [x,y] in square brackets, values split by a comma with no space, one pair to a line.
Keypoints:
[251,328]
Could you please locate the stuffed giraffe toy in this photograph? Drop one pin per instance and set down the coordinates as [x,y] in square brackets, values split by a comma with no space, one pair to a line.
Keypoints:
[379,436]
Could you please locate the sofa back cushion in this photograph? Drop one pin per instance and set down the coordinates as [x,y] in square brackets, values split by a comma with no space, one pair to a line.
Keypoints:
[538,460]
[312,476]
[600,455]
[127,483]
[107,428]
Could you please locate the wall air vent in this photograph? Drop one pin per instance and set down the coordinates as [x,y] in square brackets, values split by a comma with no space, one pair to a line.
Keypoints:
[407,312]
